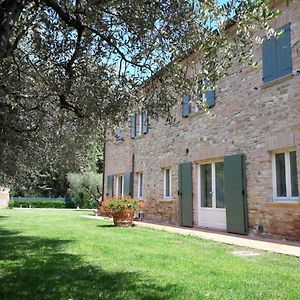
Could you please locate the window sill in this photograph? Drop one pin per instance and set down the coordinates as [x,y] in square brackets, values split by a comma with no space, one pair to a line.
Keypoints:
[140,136]
[277,81]
[169,199]
[282,203]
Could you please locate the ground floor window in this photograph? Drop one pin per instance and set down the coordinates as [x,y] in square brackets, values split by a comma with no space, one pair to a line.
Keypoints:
[119,185]
[285,178]
[140,185]
[167,183]
[211,185]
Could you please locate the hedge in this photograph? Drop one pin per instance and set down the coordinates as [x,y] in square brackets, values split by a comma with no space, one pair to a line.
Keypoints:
[42,204]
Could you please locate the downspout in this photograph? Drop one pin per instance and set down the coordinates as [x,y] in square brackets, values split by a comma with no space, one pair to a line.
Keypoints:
[103,165]
[132,170]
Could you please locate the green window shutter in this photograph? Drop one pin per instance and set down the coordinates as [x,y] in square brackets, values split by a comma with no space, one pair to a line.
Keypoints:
[145,122]
[133,126]
[235,194]
[110,184]
[269,58]
[186,108]
[284,52]
[128,184]
[210,98]
[185,193]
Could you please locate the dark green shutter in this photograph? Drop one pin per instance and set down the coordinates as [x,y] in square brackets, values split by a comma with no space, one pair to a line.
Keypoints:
[235,194]
[269,60]
[110,184]
[284,52]
[277,56]
[185,193]
[145,122]
[133,126]
[128,184]
[186,108]
[210,97]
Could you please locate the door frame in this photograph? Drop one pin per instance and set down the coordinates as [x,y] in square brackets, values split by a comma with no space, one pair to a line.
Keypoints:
[219,211]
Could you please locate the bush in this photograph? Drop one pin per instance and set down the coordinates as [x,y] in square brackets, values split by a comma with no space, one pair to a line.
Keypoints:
[41,204]
[116,205]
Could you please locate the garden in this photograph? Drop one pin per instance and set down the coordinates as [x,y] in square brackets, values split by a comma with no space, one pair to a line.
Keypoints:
[64,255]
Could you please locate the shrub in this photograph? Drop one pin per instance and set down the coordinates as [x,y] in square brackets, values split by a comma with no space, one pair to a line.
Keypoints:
[42,204]
[115,205]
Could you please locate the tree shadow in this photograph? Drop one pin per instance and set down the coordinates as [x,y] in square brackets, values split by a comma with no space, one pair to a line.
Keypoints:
[37,268]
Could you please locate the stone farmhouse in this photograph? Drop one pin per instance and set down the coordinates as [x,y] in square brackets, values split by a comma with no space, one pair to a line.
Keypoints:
[238,171]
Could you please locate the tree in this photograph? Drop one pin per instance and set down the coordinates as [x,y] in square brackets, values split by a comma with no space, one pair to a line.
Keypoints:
[71,68]
[86,188]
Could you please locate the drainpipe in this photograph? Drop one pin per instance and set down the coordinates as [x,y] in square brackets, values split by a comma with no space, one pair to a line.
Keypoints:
[103,168]
[132,170]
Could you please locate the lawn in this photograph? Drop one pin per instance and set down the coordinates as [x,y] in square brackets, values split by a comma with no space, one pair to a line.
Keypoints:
[62,255]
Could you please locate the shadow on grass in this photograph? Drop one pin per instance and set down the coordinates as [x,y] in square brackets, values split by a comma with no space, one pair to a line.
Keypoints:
[37,268]
[106,226]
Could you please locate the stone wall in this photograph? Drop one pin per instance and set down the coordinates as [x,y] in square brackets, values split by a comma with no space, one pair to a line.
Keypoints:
[4,197]
[249,118]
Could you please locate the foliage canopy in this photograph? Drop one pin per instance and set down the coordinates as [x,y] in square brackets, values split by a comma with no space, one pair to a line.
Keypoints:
[68,69]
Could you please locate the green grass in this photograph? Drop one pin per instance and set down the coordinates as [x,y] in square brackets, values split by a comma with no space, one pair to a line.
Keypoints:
[61,255]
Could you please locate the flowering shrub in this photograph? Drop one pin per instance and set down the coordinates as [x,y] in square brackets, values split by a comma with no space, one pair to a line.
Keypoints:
[116,205]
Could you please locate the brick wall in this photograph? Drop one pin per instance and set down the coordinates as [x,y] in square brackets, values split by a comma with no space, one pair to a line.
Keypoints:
[248,118]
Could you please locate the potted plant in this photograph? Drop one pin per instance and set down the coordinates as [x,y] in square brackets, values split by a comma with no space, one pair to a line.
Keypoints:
[122,210]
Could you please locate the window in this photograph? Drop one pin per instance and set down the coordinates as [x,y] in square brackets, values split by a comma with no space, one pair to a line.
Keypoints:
[189,103]
[277,55]
[167,183]
[120,136]
[285,178]
[139,124]
[119,187]
[211,177]
[140,185]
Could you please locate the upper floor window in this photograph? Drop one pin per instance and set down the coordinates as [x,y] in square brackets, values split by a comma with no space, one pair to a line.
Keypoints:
[277,55]
[285,178]
[120,135]
[167,183]
[189,105]
[139,124]
[140,185]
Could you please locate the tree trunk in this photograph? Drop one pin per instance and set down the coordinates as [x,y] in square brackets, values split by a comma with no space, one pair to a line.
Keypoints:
[10,12]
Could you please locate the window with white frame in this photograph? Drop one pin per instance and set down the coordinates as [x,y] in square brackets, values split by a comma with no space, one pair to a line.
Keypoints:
[285,178]
[119,185]
[139,124]
[167,183]
[140,185]
[211,185]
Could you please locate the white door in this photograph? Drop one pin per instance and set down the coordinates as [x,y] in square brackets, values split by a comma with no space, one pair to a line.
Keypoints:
[212,209]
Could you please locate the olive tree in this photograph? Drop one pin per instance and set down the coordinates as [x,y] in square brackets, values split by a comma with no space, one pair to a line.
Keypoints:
[71,69]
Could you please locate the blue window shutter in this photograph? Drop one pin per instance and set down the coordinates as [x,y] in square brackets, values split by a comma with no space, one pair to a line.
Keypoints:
[145,122]
[133,126]
[120,135]
[210,98]
[186,108]
[284,52]
[269,57]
